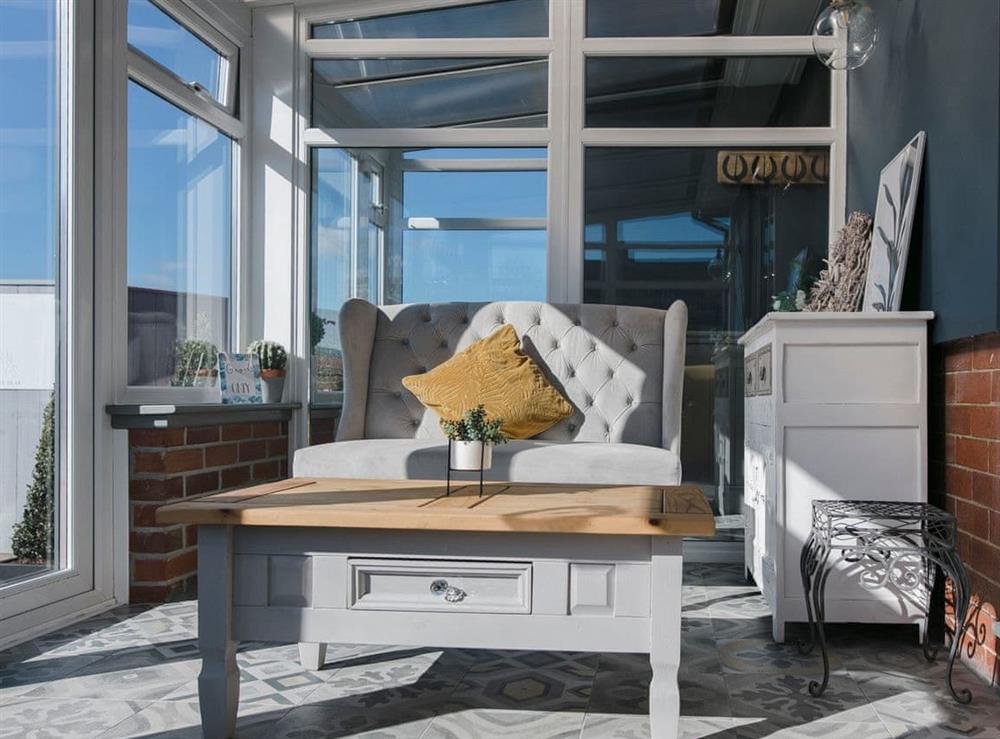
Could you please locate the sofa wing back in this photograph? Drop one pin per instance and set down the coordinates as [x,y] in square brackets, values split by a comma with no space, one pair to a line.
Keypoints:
[621,367]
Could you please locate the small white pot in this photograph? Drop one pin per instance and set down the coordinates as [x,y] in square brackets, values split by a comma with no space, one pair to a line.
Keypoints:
[467,455]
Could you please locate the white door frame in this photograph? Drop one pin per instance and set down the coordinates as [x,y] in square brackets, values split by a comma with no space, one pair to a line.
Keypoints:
[83,584]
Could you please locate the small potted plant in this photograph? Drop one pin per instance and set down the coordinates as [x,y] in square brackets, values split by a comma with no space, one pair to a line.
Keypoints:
[195,363]
[273,358]
[472,438]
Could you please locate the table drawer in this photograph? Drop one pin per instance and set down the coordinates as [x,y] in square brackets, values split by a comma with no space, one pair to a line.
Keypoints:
[439,585]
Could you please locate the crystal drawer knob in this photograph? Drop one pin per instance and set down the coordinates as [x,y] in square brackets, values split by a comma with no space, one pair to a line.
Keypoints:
[450,592]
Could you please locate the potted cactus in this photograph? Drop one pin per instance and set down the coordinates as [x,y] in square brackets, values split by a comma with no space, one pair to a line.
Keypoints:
[273,358]
[472,438]
[196,363]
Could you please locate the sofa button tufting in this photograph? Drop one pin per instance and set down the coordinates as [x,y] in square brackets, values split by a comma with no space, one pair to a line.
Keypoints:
[576,322]
[406,342]
[614,324]
[444,344]
[571,374]
[635,347]
[572,427]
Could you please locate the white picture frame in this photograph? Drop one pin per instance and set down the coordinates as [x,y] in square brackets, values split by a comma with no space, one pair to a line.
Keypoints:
[239,379]
[898,188]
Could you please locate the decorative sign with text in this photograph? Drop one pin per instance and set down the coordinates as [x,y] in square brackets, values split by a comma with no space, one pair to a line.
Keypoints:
[239,378]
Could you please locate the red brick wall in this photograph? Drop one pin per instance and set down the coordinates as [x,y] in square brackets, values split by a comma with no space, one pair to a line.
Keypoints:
[174,463]
[965,477]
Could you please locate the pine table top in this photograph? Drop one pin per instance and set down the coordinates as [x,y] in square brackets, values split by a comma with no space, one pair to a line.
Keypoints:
[636,510]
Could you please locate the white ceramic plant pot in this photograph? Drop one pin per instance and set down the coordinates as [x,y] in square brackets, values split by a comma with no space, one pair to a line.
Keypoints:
[467,455]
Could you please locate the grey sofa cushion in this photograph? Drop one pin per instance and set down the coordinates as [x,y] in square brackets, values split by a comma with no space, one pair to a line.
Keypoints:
[580,463]
[621,367]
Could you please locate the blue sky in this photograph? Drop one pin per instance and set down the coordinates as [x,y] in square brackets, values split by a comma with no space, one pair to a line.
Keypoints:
[28,175]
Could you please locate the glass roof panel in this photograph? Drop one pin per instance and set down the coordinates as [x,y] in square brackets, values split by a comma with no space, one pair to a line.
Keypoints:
[511,18]
[607,18]
[428,93]
[707,91]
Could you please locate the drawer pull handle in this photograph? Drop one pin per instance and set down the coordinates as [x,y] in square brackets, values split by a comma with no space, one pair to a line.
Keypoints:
[450,592]
[438,587]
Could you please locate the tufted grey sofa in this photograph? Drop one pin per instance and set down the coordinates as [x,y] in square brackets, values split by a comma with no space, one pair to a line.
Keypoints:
[621,367]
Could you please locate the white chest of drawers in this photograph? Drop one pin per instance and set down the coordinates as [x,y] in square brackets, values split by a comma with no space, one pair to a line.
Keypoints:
[835,407]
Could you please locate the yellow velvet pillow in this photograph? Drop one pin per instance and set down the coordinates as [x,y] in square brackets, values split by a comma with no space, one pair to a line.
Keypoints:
[495,373]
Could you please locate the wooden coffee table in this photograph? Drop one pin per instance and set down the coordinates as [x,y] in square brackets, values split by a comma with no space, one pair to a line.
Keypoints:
[525,566]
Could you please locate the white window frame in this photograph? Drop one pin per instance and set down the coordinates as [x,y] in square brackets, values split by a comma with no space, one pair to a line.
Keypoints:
[565,136]
[233,43]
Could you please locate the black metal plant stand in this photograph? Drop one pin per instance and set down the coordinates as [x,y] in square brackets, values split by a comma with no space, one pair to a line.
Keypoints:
[895,536]
[482,460]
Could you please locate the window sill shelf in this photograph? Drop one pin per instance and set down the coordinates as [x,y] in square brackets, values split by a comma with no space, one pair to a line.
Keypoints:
[158,416]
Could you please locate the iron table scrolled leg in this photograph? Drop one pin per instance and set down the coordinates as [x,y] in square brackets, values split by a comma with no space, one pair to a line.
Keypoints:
[954,569]
[807,566]
[822,574]
[930,653]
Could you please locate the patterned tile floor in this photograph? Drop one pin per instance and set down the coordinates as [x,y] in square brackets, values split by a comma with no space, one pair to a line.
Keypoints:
[132,672]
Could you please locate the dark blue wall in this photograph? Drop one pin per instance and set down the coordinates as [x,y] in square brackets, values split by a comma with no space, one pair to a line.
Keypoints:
[937,69]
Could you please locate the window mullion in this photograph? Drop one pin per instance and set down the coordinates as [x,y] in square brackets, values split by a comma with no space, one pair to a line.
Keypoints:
[431,223]
[425,48]
[776,136]
[700,46]
[426,137]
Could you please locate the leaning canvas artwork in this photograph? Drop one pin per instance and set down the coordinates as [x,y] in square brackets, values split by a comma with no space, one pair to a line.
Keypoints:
[897,197]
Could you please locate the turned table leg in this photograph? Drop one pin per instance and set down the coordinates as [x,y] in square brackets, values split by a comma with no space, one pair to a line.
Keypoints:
[312,656]
[219,680]
[666,574]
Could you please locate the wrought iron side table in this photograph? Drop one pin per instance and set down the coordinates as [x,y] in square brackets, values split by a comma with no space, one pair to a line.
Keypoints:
[907,542]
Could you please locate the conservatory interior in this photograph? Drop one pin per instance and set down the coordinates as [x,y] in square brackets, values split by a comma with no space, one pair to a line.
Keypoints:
[499,368]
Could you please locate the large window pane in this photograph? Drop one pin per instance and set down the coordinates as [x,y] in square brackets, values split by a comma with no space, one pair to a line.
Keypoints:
[707,91]
[493,19]
[167,42]
[180,191]
[723,230]
[700,17]
[448,224]
[30,536]
[426,93]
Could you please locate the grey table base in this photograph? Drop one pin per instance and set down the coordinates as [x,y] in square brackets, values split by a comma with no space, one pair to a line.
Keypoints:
[889,534]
